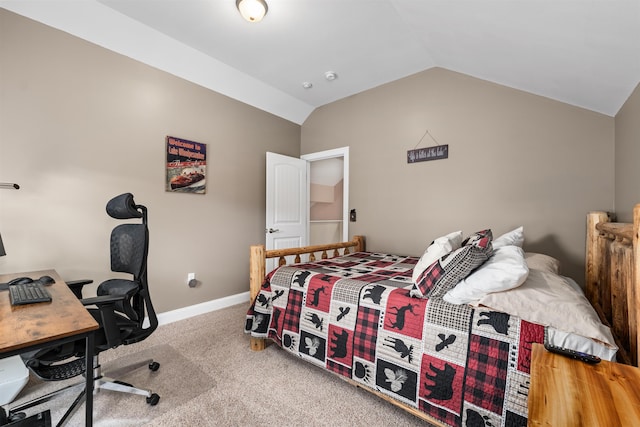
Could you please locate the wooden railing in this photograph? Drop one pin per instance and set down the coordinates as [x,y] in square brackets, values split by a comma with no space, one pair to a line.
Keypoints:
[281,254]
[258,256]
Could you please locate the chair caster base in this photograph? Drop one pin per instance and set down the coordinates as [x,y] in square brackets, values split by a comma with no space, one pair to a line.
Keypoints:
[123,383]
[16,416]
[154,366]
[153,399]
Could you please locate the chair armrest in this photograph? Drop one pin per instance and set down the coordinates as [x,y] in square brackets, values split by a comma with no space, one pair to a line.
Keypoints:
[108,320]
[104,300]
[77,285]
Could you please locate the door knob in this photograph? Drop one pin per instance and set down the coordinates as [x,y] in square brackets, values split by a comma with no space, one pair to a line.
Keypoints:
[271,230]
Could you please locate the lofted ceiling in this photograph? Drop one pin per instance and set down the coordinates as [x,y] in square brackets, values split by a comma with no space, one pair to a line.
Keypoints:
[581,52]
[327,172]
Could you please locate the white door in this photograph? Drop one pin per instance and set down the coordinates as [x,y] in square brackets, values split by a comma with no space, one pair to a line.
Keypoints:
[287,204]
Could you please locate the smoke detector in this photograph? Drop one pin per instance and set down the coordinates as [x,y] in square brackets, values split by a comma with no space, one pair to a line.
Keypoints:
[330,75]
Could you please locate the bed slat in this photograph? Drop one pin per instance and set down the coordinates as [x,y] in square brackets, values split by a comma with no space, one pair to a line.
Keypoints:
[621,276]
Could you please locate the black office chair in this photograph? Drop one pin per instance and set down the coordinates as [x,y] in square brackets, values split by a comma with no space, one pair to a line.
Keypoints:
[122,305]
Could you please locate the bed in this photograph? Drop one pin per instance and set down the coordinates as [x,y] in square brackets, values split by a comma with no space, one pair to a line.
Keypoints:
[393,325]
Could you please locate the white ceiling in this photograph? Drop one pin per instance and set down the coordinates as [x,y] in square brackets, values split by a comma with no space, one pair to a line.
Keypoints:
[582,52]
[327,172]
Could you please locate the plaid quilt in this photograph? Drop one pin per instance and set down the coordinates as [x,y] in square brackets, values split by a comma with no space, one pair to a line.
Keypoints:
[353,315]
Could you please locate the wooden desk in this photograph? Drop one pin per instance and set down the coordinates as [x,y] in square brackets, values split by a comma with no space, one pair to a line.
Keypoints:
[31,326]
[567,392]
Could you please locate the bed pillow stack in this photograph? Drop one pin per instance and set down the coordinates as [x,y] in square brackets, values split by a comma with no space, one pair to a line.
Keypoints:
[505,269]
[514,237]
[448,270]
[437,249]
[536,261]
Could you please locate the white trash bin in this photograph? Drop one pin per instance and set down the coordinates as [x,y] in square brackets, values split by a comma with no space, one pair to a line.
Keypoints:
[13,377]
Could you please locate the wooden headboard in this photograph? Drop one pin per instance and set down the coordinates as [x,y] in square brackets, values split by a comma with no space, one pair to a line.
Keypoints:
[612,278]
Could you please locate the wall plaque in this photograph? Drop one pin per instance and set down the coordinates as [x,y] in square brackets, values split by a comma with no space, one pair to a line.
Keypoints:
[436,152]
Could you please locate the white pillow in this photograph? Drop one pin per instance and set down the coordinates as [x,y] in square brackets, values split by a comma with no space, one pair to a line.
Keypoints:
[506,269]
[513,237]
[580,343]
[439,248]
[542,262]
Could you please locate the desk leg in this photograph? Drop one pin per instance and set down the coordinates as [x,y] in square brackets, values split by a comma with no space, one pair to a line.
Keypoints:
[89,377]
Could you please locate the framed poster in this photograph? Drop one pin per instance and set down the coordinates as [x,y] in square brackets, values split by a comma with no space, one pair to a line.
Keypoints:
[186,166]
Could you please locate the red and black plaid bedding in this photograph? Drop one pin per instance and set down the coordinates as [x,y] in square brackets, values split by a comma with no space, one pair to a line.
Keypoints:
[352,315]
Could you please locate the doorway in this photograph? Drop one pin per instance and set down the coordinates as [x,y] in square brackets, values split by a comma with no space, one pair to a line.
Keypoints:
[328,204]
[288,204]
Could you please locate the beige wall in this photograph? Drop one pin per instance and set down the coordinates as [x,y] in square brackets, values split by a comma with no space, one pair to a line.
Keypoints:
[80,124]
[514,159]
[325,232]
[320,193]
[628,157]
[330,208]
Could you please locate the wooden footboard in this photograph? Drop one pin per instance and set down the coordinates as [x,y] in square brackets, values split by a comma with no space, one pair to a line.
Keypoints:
[612,278]
[259,256]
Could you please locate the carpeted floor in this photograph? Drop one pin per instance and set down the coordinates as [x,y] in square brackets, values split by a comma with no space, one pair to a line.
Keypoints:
[209,377]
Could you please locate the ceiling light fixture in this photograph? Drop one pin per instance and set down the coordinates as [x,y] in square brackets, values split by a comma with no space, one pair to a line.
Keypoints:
[307,85]
[252,10]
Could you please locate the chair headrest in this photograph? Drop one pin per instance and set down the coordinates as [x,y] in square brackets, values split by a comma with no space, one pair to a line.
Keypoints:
[123,207]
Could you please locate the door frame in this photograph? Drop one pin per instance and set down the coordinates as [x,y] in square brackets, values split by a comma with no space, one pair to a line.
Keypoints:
[331,154]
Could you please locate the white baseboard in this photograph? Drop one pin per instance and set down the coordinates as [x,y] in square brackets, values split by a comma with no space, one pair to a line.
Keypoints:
[205,307]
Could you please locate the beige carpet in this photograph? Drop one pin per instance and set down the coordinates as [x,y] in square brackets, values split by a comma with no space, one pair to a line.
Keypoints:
[177,381]
[209,377]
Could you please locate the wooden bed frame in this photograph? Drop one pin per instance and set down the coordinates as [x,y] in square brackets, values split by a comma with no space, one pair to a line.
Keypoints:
[258,257]
[612,274]
[258,261]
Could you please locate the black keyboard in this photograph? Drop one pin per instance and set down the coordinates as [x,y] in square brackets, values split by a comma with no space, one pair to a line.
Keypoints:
[28,293]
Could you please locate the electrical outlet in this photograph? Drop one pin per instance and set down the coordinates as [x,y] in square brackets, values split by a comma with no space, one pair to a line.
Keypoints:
[191,280]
